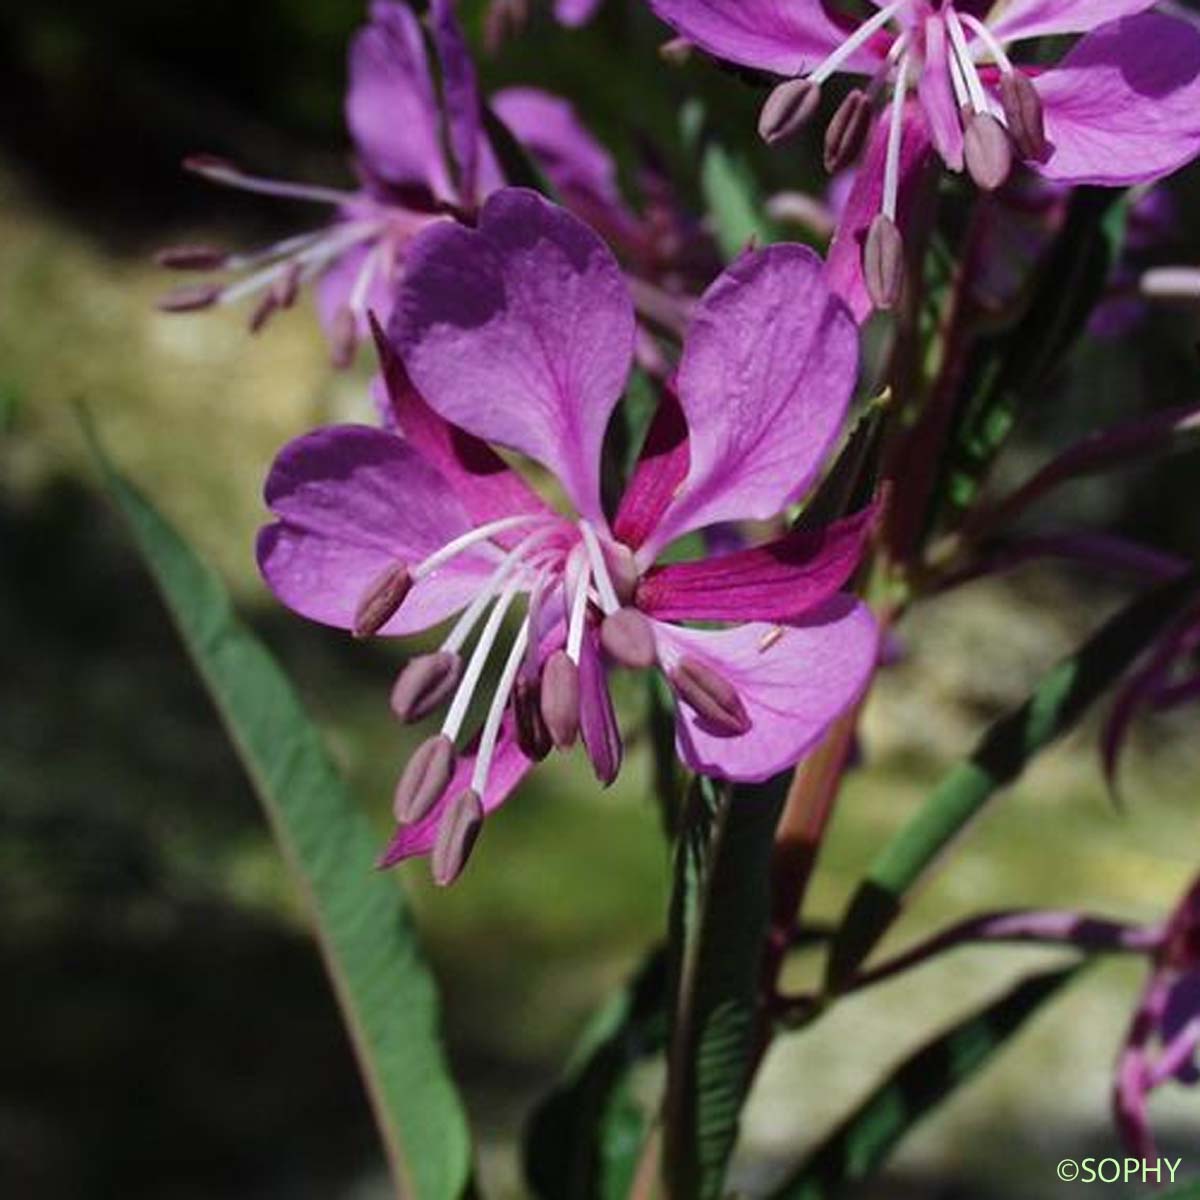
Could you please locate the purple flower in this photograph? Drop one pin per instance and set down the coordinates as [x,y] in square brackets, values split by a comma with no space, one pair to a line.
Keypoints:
[520,333]
[1121,107]
[1164,1034]
[399,127]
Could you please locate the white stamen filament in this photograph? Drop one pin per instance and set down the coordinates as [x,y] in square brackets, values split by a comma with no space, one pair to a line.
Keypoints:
[495,715]
[880,78]
[277,250]
[961,96]
[473,537]
[858,38]
[479,656]
[364,279]
[604,584]
[469,617]
[579,600]
[891,171]
[230,176]
[988,38]
[312,260]
[958,42]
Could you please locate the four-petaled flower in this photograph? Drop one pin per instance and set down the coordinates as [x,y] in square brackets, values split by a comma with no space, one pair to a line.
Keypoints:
[400,129]
[520,333]
[1122,106]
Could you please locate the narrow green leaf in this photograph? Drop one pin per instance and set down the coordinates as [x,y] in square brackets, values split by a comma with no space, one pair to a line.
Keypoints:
[1055,705]
[363,925]
[720,912]
[863,1141]
[584,1138]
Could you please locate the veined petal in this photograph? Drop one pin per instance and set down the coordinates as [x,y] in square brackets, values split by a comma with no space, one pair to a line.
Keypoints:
[522,333]
[1124,105]
[768,367]
[391,106]
[774,35]
[1020,19]
[460,89]
[483,482]
[793,681]
[844,266]
[776,582]
[509,767]
[353,501]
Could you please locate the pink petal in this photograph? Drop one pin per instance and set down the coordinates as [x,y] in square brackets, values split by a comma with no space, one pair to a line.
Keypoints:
[509,767]
[391,106]
[774,35]
[794,681]
[522,333]
[485,485]
[844,270]
[661,467]
[1020,19]
[937,96]
[775,582]
[1124,105]
[460,89]
[769,364]
[351,502]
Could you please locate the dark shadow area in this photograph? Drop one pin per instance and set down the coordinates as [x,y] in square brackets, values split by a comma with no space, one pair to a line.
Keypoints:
[156,1040]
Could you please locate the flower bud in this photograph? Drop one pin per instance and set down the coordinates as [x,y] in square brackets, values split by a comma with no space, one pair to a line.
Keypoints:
[788,109]
[883,262]
[456,836]
[560,699]
[846,132]
[381,600]
[987,151]
[1023,112]
[424,683]
[628,637]
[424,779]
[712,696]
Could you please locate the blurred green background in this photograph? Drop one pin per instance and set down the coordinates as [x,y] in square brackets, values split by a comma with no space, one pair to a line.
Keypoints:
[165,1028]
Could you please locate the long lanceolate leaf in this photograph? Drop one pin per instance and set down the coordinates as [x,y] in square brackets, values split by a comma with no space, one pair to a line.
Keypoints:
[720,912]
[1055,705]
[861,1143]
[363,925]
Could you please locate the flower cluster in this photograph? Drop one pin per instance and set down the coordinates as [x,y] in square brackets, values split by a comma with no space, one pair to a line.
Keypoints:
[543,538]
[520,334]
